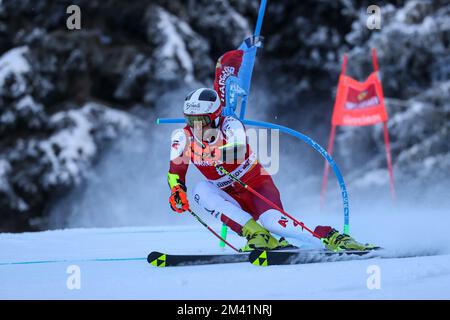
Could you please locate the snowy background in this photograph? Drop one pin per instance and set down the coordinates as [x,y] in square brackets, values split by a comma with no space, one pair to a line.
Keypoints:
[78,142]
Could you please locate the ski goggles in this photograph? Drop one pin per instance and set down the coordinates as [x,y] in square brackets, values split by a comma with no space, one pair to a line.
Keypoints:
[202,119]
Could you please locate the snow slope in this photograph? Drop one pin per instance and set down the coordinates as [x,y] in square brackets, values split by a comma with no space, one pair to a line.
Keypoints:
[113,266]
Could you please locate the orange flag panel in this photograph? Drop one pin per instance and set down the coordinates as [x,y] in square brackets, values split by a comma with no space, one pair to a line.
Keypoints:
[359,103]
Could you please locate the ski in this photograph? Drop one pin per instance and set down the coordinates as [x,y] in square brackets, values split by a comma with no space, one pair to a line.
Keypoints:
[270,258]
[159,259]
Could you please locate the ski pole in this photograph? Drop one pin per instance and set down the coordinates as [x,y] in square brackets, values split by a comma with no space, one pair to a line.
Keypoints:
[273,205]
[211,230]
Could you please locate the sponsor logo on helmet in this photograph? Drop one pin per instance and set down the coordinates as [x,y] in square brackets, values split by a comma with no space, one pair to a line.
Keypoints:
[192,105]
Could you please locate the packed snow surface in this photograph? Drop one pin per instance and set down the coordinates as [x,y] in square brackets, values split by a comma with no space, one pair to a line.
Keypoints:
[112,265]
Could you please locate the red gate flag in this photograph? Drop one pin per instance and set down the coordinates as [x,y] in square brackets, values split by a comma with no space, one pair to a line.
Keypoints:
[359,104]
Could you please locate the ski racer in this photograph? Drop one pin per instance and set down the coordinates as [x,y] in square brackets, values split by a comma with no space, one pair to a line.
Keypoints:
[209,136]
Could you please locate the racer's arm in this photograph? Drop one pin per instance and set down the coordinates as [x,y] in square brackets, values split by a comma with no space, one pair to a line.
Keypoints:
[176,177]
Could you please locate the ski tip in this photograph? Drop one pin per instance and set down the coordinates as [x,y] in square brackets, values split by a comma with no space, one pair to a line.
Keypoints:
[258,258]
[157,259]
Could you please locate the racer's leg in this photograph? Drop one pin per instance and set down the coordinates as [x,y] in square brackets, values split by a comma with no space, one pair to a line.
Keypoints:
[272,219]
[220,205]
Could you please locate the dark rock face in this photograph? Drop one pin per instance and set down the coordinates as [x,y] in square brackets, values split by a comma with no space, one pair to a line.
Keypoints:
[65,94]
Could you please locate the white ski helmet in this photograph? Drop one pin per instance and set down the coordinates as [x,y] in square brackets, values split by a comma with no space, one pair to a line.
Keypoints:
[202,105]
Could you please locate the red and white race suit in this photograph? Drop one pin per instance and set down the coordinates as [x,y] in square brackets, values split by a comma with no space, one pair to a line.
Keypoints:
[219,195]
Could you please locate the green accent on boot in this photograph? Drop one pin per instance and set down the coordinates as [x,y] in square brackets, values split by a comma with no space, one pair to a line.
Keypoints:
[342,242]
[258,237]
[282,244]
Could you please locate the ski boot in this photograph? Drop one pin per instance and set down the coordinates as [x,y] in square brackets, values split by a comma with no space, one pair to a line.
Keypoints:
[259,238]
[337,242]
